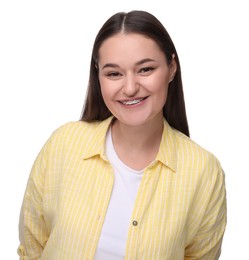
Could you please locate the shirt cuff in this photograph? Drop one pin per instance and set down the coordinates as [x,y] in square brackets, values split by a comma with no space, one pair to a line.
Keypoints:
[22,253]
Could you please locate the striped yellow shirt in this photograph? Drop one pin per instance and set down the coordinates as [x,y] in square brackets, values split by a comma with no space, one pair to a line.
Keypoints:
[179,213]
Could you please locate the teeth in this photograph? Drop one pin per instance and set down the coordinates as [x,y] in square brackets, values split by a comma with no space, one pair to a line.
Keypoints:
[132,102]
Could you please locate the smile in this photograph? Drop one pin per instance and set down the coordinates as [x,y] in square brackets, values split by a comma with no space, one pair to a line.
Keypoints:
[132,102]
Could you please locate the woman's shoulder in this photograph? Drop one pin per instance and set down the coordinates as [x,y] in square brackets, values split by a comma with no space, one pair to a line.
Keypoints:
[190,148]
[74,130]
[194,159]
[74,126]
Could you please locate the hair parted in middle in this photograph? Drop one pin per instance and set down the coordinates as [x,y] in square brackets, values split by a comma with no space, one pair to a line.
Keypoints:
[144,23]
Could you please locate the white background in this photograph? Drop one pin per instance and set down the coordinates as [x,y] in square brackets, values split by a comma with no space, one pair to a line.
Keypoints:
[45,49]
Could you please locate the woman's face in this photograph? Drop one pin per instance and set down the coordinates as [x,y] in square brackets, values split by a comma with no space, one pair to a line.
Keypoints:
[134,77]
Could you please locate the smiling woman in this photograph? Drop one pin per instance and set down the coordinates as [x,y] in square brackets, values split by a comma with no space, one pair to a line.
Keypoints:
[133,80]
[126,181]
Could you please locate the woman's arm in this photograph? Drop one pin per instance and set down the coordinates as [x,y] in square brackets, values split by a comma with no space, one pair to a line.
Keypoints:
[33,232]
[207,243]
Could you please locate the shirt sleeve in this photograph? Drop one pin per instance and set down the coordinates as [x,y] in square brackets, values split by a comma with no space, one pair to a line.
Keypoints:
[33,232]
[206,244]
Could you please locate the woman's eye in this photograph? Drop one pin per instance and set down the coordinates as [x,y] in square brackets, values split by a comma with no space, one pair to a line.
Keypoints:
[113,74]
[146,69]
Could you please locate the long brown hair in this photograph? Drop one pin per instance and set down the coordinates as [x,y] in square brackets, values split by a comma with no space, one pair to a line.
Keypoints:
[148,25]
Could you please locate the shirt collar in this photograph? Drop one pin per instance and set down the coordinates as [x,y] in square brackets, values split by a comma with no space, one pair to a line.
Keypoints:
[167,153]
[96,139]
[96,143]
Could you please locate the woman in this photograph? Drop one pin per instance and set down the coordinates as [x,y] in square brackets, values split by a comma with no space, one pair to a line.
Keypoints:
[126,181]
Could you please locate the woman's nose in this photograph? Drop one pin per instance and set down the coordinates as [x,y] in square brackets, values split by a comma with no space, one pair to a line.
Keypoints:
[130,87]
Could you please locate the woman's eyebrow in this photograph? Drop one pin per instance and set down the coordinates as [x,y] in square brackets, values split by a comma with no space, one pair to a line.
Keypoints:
[114,65]
[143,61]
[110,65]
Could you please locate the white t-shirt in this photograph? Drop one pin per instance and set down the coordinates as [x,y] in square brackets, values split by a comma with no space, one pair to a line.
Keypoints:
[114,232]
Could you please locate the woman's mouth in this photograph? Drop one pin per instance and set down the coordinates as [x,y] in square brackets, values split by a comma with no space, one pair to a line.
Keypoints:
[132,102]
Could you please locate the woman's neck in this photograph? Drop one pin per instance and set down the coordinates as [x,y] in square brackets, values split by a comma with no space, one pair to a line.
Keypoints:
[139,142]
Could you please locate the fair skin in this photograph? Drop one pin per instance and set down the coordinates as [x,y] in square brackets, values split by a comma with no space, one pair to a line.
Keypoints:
[134,77]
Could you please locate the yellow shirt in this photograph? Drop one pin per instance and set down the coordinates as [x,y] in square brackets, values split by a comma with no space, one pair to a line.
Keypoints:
[179,213]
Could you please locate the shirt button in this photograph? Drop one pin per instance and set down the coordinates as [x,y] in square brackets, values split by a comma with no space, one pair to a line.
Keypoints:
[134,223]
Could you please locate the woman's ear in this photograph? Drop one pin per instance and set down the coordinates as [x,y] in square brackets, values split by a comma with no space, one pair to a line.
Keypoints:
[173,68]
